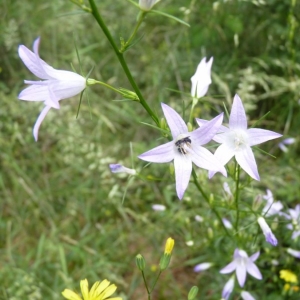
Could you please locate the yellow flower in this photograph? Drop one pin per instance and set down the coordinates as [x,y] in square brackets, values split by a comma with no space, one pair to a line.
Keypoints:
[169,246]
[288,276]
[99,291]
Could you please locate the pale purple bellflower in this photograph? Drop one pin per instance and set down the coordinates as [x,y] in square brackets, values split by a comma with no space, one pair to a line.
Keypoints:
[185,148]
[118,168]
[202,78]
[242,264]
[270,237]
[272,207]
[202,267]
[55,86]
[228,288]
[237,140]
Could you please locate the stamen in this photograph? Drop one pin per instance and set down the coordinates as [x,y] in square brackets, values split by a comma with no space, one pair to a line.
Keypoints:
[182,144]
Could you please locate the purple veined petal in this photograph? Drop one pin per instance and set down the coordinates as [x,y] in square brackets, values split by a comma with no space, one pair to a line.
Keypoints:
[246,160]
[254,256]
[31,61]
[183,170]
[229,268]
[174,120]
[237,119]
[161,154]
[241,274]
[206,132]
[39,120]
[202,158]
[253,270]
[258,136]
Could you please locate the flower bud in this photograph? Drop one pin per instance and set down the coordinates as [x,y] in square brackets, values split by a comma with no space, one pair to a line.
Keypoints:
[140,262]
[165,259]
[117,168]
[193,293]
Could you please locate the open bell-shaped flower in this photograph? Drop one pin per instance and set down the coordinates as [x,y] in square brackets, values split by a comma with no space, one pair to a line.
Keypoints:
[186,148]
[237,140]
[55,86]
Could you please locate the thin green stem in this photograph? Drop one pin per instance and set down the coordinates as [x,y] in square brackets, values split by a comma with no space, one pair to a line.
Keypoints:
[155,282]
[207,200]
[146,286]
[236,195]
[135,30]
[122,61]
[195,101]
[107,85]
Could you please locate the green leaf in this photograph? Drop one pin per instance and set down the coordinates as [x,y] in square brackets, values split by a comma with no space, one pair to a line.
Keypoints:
[169,16]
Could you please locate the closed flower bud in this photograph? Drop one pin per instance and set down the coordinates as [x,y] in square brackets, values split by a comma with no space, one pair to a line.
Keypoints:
[193,293]
[140,262]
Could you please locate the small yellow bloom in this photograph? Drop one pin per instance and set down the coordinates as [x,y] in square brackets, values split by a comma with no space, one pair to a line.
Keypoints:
[99,291]
[169,246]
[288,276]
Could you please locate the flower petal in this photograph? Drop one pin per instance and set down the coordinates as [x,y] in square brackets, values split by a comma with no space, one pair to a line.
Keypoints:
[237,119]
[174,120]
[241,274]
[183,170]
[70,295]
[84,286]
[206,132]
[253,270]
[202,78]
[246,160]
[229,268]
[108,291]
[161,154]
[202,158]
[258,136]
[39,120]
[254,256]
[32,61]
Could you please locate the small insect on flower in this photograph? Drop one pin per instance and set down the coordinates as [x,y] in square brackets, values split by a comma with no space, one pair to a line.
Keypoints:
[182,143]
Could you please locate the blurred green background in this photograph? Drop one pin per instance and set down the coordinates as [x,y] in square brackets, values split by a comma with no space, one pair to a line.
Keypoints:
[61,213]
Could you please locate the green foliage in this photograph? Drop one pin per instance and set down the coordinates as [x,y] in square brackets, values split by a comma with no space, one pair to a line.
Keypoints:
[61,212]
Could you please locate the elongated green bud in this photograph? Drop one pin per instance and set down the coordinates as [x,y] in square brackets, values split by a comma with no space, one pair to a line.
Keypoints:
[193,293]
[140,262]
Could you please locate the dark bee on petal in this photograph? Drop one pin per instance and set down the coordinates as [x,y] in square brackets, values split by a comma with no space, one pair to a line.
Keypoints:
[180,144]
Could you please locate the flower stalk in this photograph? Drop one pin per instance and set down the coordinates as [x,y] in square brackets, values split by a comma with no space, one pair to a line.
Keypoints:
[122,61]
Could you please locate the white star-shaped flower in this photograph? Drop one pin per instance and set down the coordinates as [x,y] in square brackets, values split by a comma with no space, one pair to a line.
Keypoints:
[186,148]
[237,140]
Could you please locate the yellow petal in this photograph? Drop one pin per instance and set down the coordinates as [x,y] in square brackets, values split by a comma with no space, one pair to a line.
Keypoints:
[94,290]
[103,285]
[84,285]
[70,295]
[109,291]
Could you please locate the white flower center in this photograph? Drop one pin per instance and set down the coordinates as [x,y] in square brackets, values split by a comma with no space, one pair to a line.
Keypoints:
[237,139]
[183,143]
